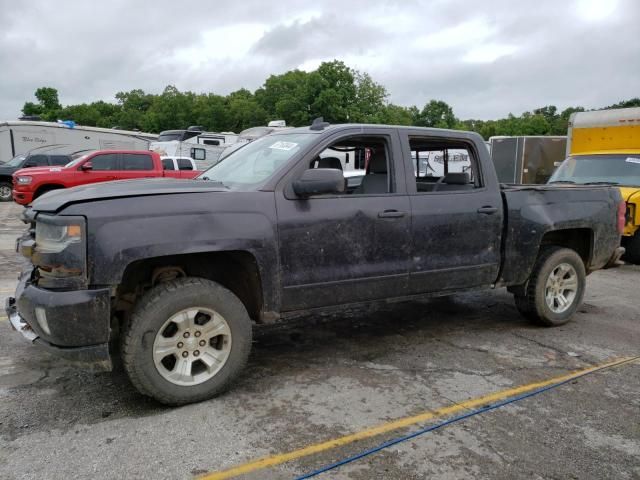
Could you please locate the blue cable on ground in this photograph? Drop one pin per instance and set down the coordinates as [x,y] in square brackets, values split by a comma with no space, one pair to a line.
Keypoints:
[454,420]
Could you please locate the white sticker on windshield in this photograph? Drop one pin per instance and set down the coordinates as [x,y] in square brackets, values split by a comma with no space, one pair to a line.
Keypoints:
[632,160]
[284,145]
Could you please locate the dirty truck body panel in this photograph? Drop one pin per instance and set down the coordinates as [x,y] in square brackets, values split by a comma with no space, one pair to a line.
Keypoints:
[419,237]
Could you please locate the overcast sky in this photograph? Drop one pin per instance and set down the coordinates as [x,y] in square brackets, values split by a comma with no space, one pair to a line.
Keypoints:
[486,58]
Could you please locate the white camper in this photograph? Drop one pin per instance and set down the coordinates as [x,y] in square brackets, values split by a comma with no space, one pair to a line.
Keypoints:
[18,137]
[203,147]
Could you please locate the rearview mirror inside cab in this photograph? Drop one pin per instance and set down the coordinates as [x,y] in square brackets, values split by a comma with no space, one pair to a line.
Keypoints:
[319,181]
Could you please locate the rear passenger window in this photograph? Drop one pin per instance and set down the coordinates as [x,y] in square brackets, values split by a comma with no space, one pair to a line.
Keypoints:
[132,161]
[443,165]
[106,161]
[167,164]
[59,159]
[184,164]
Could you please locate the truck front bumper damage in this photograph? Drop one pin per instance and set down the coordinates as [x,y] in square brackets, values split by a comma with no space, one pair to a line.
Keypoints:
[74,325]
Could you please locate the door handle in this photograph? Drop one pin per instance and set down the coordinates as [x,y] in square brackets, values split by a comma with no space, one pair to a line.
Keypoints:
[391,214]
[487,210]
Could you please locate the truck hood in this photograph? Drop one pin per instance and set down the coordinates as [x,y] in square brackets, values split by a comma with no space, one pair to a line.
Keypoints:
[5,170]
[39,170]
[57,199]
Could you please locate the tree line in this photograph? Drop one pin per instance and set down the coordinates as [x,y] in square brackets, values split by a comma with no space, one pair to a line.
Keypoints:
[334,91]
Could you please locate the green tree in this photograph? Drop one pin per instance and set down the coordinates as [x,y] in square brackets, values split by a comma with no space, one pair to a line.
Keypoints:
[48,104]
[436,114]
[370,100]
[333,91]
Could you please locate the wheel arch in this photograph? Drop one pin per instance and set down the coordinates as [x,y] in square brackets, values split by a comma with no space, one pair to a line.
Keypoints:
[236,270]
[578,239]
[46,188]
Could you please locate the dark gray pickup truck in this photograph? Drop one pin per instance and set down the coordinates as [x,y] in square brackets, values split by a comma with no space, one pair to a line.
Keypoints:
[173,273]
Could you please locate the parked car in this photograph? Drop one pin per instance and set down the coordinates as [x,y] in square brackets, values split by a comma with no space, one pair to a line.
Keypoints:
[178,163]
[99,166]
[270,233]
[26,160]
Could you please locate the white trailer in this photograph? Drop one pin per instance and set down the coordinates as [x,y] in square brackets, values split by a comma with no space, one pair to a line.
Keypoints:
[18,137]
[203,147]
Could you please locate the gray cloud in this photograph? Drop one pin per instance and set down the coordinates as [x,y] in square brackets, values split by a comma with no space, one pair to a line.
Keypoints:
[486,61]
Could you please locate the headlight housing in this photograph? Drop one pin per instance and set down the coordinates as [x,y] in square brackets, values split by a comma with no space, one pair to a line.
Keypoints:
[23,179]
[59,252]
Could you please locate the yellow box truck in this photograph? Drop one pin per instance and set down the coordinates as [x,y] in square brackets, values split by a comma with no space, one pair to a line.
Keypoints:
[603,147]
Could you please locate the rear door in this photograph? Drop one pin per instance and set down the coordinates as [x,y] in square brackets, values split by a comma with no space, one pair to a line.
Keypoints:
[136,165]
[456,214]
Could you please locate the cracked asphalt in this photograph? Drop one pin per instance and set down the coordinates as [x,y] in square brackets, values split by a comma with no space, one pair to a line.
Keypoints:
[323,377]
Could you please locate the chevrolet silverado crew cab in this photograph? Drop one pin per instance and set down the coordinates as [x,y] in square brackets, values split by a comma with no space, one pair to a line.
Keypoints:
[175,272]
[97,166]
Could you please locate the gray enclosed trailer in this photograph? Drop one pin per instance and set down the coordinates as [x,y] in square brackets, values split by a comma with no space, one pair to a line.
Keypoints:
[527,159]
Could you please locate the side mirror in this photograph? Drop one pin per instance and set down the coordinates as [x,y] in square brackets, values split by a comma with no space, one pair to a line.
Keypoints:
[319,181]
[86,166]
[29,164]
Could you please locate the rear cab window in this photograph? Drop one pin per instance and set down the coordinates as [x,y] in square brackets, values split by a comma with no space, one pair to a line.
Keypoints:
[167,164]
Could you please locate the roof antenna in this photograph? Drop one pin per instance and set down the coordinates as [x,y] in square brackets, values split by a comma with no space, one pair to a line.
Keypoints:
[319,124]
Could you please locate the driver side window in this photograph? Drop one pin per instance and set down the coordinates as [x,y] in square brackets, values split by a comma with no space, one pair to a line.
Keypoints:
[106,161]
[364,161]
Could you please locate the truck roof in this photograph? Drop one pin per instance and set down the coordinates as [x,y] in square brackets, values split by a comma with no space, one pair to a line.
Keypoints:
[349,126]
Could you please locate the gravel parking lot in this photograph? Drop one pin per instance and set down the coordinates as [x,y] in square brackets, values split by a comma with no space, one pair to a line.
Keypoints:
[321,379]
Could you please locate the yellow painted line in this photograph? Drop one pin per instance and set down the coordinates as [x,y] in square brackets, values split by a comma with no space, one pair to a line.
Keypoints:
[272,461]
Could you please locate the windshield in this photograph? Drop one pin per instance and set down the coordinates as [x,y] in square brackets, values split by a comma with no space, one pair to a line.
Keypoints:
[16,161]
[252,164]
[168,137]
[77,160]
[622,169]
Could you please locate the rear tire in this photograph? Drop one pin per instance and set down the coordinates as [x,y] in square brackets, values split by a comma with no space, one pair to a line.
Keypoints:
[187,340]
[632,248]
[555,289]
[5,192]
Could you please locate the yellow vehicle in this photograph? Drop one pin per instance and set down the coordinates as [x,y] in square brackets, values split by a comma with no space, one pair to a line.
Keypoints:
[603,147]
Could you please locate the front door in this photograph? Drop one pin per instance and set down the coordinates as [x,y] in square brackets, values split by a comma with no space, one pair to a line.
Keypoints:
[103,168]
[338,249]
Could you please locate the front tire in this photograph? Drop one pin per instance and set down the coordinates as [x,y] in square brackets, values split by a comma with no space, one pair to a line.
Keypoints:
[555,289]
[187,340]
